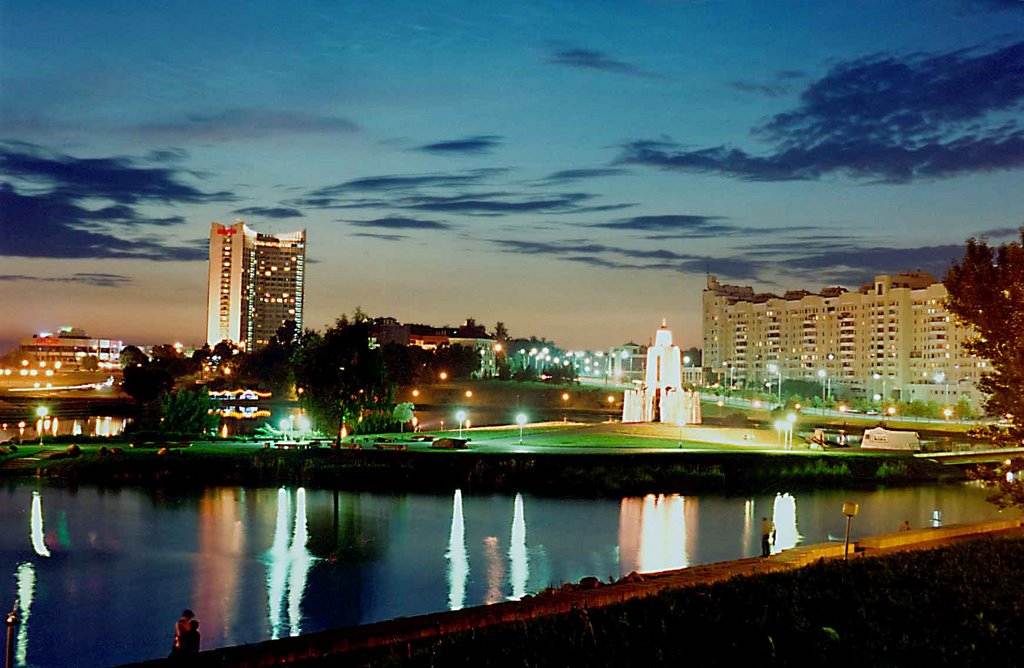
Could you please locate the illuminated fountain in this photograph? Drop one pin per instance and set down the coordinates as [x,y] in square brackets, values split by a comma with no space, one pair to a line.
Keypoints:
[662,397]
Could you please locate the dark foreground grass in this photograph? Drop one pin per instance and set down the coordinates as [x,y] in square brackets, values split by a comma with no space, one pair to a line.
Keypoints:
[959,605]
[576,474]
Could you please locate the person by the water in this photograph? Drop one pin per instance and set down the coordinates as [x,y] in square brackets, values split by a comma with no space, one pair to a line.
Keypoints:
[181,627]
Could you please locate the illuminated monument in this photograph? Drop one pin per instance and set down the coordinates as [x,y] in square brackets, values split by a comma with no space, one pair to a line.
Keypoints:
[662,397]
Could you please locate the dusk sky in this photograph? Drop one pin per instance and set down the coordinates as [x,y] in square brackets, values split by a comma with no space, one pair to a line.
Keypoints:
[569,168]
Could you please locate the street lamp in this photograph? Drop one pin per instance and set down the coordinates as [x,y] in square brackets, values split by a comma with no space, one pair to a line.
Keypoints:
[521,420]
[775,368]
[822,374]
[42,412]
[850,510]
[461,417]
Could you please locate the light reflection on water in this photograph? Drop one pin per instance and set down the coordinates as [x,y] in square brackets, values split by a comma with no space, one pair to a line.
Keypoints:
[267,563]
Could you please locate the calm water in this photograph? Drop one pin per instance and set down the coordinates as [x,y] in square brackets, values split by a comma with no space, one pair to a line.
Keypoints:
[102,575]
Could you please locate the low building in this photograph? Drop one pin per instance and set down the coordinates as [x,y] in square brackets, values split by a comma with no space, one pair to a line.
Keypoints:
[71,347]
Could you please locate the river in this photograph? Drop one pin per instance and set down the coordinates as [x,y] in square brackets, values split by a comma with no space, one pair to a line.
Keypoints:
[102,574]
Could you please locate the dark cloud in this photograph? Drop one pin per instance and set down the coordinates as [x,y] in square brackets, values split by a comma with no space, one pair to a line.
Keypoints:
[93,279]
[775,89]
[240,124]
[381,237]
[596,60]
[496,203]
[399,223]
[167,155]
[60,213]
[403,182]
[572,175]
[880,118]
[999,232]
[118,179]
[686,223]
[269,212]
[467,145]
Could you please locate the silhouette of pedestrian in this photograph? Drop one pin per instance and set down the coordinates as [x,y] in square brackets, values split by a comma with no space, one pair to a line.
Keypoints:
[181,627]
[767,536]
[189,643]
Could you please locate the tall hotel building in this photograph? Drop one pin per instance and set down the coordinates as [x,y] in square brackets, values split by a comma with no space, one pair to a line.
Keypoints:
[892,338]
[256,284]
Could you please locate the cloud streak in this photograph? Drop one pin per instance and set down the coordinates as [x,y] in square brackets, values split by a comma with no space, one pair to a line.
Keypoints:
[400,223]
[588,59]
[477,145]
[99,280]
[277,212]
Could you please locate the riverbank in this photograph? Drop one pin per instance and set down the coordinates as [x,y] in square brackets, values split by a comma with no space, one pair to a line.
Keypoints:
[573,460]
[939,599]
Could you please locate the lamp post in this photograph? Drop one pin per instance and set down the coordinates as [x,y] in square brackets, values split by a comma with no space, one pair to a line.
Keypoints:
[776,369]
[521,420]
[850,510]
[12,621]
[461,417]
[42,412]
[822,374]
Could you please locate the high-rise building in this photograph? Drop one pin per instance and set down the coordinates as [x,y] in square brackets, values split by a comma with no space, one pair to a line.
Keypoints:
[893,338]
[256,284]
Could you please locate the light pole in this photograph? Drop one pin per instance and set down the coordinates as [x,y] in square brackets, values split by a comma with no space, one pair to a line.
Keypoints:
[822,374]
[521,420]
[461,417]
[775,368]
[12,621]
[850,510]
[42,412]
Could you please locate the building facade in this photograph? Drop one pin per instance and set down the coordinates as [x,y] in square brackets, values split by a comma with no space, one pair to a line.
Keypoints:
[256,284]
[71,347]
[892,339]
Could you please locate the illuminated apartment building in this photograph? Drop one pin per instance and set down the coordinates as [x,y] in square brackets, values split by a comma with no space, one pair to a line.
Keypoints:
[892,338]
[255,286]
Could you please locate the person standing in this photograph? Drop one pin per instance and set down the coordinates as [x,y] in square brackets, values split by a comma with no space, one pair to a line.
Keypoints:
[181,627]
[189,643]
[767,536]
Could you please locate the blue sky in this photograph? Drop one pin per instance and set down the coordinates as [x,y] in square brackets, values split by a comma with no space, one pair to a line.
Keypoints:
[571,168]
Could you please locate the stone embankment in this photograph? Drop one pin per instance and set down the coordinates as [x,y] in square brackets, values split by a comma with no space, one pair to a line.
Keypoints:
[347,645]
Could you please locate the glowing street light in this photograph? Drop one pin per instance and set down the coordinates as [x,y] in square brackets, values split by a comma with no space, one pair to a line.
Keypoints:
[42,412]
[469,394]
[776,369]
[443,375]
[461,417]
[948,412]
[521,420]
[415,393]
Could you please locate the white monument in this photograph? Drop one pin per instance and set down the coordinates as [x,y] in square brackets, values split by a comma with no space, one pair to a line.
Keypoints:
[662,397]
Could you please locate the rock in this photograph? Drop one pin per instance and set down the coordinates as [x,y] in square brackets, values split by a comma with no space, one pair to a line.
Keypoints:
[590,582]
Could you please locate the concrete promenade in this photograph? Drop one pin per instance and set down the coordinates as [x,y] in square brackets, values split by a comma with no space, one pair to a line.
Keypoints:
[588,594]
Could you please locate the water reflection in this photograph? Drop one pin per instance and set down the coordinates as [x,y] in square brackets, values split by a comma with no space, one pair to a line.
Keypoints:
[26,577]
[519,563]
[458,559]
[36,524]
[243,559]
[221,546]
[288,566]
[653,533]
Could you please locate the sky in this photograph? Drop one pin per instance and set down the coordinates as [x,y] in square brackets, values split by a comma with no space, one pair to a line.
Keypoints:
[572,169]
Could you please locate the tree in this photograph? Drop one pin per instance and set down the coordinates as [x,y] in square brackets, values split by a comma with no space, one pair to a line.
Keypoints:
[144,382]
[132,356]
[343,380]
[90,363]
[403,413]
[267,368]
[986,292]
[187,411]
